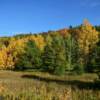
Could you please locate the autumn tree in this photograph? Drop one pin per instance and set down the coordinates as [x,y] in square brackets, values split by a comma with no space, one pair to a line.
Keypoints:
[6,59]
[87,37]
[39,40]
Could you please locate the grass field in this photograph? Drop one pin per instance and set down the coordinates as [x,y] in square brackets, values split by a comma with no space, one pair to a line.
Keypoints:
[43,86]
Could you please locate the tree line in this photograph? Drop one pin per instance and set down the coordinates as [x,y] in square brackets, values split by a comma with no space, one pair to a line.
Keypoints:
[72,50]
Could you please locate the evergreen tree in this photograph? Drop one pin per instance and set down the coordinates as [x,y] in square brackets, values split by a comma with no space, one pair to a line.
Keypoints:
[60,55]
[31,58]
[94,60]
[71,52]
[54,56]
[48,58]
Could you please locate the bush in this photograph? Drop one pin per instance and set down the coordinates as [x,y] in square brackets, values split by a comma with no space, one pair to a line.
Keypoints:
[78,69]
[59,71]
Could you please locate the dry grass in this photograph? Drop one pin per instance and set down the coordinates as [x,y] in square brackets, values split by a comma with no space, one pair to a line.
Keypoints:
[43,86]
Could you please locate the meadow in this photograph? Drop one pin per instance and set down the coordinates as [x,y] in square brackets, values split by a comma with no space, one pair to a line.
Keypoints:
[31,85]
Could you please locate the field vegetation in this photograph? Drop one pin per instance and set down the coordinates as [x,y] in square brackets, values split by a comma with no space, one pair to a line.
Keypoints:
[44,86]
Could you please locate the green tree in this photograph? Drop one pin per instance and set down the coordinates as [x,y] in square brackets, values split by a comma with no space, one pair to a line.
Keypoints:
[54,55]
[94,60]
[48,58]
[70,47]
[31,58]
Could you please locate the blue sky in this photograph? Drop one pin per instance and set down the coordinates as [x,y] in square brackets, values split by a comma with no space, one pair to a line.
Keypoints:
[23,16]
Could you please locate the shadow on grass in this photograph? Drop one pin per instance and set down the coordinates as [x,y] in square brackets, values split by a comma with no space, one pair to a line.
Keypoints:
[73,83]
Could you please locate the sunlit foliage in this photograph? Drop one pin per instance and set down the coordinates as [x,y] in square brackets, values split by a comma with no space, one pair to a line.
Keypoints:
[63,50]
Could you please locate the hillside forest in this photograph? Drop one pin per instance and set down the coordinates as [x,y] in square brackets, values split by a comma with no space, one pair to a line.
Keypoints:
[73,50]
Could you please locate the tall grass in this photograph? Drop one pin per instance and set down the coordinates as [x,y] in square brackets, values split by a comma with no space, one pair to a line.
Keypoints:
[13,86]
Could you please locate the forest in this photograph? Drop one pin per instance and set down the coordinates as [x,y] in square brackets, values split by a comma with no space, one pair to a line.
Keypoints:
[72,51]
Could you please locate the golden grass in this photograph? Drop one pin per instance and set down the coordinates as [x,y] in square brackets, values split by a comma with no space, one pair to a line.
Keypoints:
[43,86]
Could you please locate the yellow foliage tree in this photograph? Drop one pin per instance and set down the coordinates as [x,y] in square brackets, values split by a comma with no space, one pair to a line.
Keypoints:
[16,48]
[87,37]
[9,55]
[6,60]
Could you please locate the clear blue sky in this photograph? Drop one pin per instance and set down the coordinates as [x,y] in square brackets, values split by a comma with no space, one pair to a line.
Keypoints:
[17,16]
